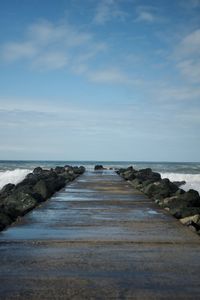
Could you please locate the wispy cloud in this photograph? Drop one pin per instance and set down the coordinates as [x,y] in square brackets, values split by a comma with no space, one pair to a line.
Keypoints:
[48,45]
[190,4]
[187,56]
[190,69]
[14,51]
[52,60]
[113,76]
[189,45]
[108,10]
[147,14]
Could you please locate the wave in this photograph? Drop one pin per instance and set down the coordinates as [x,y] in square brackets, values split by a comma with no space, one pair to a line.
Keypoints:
[192,180]
[14,176]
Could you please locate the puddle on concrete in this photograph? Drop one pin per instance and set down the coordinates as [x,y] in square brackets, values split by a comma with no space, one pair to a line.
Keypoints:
[75,190]
[153,212]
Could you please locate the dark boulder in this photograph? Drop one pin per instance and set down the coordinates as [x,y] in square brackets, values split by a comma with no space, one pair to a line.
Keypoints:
[183,212]
[18,204]
[5,220]
[41,188]
[7,190]
[79,170]
[179,183]
[161,189]
[129,175]
[147,174]
[38,171]
[191,197]
[99,167]
[30,179]
[59,170]
[188,199]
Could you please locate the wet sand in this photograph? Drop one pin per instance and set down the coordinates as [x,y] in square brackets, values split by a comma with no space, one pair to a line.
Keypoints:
[99,239]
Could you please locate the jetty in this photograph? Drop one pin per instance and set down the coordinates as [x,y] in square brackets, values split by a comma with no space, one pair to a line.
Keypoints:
[99,238]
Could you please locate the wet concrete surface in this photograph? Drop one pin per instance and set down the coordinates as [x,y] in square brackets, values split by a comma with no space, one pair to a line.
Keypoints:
[99,239]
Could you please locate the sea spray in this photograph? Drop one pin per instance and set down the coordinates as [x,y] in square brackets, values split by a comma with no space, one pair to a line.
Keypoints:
[192,180]
[14,176]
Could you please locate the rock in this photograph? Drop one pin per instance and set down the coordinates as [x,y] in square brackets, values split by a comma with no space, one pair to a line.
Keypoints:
[193,222]
[4,220]
[79,170]
[179,183]
[19,204]
[179,192]
[7,190]
[59,170]
[30,179]
[41,188]
[37,170]
[129,175]
[161,189]
[168,200]
[180,206]
[192,227]
[191,197]
[194,219]
[99,167]
[136,183]
[147,174]
[183,212]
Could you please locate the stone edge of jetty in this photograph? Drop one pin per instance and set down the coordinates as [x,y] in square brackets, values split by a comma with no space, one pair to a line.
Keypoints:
[183,205]
[37,187]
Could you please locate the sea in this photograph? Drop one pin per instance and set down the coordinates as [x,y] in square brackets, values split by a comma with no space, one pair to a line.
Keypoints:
[16,171]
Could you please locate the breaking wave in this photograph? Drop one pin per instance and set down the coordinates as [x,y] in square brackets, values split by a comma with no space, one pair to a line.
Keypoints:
[192,180]
[14,176]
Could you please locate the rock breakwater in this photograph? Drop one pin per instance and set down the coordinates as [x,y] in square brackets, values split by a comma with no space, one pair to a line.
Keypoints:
[38,186]
[184,206]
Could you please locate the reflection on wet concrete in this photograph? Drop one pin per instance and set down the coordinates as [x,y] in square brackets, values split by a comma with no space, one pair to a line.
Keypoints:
[99,239]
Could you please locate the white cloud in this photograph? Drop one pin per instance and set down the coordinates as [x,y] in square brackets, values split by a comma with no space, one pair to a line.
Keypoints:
[48,47]
[190,69]
[48,43]
[107,10]
[108,76]
[54,60]
[175,94]
[190,44]
[112,76]
[146,14]
[190,4]
[15,51]
[187,55]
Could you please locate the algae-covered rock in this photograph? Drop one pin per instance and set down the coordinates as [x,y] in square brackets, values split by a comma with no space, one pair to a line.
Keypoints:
[19,204]
[41,188]
[161,189]
[5,220]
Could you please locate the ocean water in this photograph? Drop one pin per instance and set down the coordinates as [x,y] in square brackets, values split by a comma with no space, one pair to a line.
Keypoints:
[15,171]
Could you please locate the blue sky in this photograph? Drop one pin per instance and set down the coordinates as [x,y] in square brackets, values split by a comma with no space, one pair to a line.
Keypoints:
[100,80]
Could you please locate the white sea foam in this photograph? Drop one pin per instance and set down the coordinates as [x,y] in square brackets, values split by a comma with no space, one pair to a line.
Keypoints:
[14,176]
[192,180]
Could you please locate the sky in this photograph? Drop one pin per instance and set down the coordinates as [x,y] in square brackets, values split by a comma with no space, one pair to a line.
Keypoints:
[100,80]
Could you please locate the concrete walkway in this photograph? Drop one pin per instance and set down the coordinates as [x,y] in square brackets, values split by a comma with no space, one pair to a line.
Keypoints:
[99,239]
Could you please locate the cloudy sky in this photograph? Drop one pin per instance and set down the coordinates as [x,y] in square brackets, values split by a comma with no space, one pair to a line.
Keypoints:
[100,80]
